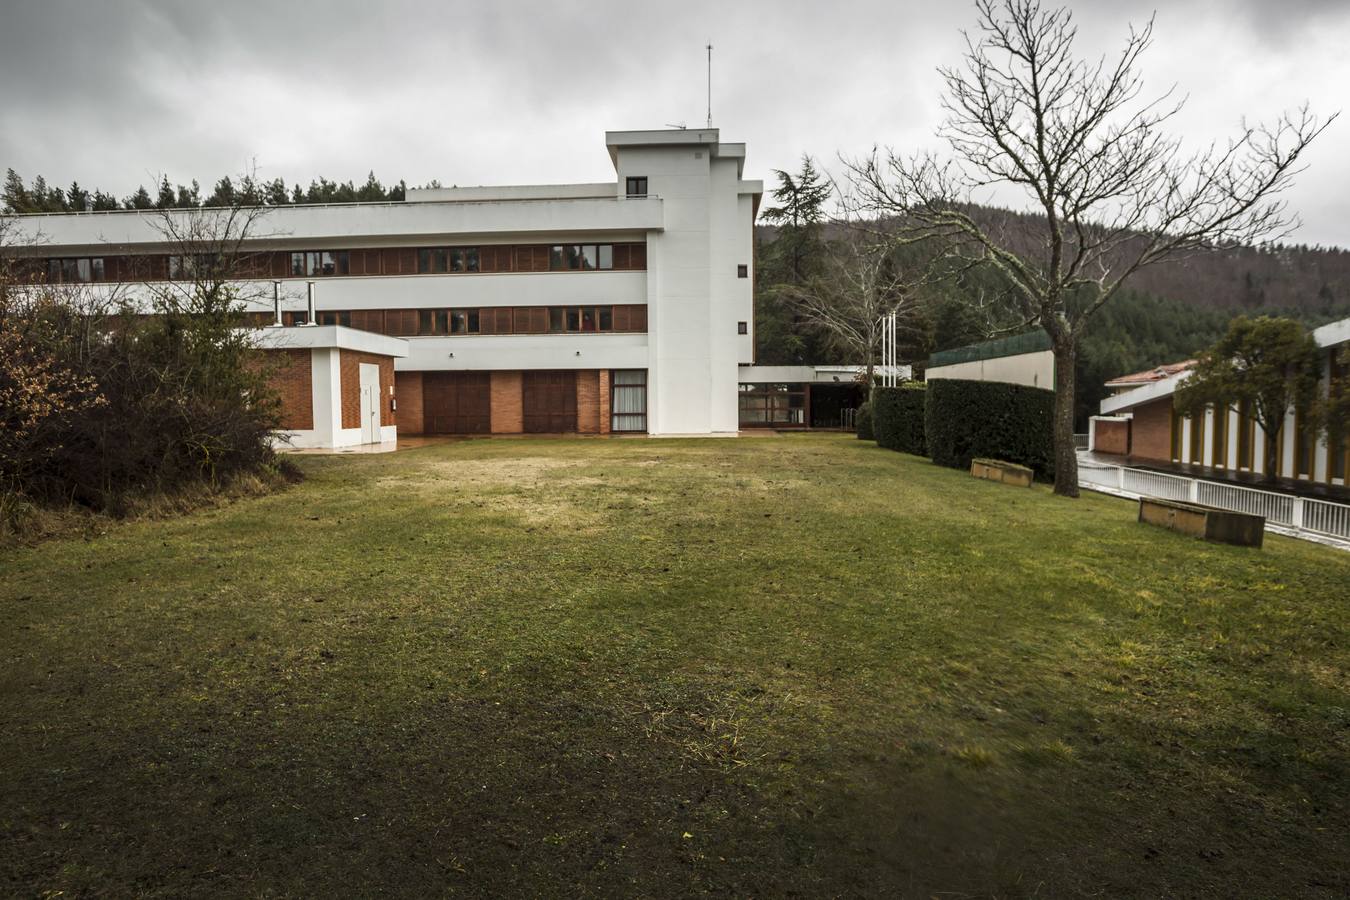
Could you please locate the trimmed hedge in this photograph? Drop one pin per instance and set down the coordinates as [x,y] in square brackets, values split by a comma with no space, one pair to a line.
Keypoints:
[864,422]
[1008,422]
[897,417]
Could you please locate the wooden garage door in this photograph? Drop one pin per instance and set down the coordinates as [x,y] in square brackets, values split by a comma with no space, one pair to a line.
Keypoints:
[550,402]
[456,403]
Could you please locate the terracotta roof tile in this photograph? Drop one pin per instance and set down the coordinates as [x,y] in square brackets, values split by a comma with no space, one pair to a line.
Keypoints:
[1148,376]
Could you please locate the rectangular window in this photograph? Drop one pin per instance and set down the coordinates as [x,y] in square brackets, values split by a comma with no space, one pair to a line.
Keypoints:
[742,327]
[432,321]
[628,400]
[606,256]
[769,405]
[335,317]
[555,318]
[637,186]
[456,260]
[80,270]
[573,319]
[590,257]
[1177,422]
[1198,438]
[464,321]
[470,259]
[742,271]
[606,318]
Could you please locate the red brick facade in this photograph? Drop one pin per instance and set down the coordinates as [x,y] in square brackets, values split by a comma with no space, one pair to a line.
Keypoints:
[1111,436]
[604,402]
[292,376]
[408,390]
[507,399]
[349,362]
[588,402]
[1151,431]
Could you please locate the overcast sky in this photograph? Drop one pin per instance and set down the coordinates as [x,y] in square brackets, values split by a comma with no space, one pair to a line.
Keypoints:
[111,92]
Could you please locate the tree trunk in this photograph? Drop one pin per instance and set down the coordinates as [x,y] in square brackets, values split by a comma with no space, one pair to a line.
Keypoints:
[1066,457]
[1272,450]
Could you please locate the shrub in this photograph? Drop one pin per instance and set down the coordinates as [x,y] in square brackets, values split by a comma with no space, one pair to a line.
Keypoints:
[898,418]
[1009,422]
[864,420]
[105,410]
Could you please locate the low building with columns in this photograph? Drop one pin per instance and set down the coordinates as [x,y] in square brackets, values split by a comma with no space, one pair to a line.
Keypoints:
[1139,422]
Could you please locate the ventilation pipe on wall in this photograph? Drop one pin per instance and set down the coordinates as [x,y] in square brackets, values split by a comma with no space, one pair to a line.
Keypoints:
[276,304]
[310,318]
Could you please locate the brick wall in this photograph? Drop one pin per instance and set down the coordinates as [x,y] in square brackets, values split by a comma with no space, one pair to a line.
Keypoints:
[507,398]
[349,362]
[408,389]
[588,402]
[293,379]
[1111,436]
[605,421]
[1151,431]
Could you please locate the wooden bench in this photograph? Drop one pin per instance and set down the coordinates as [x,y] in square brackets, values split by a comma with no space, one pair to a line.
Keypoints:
[1221,525]
[1004,472]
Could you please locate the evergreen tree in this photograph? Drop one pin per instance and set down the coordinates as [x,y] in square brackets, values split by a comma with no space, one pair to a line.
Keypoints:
[166,198]
[16,196]
[372,190]
[275,194]
[102,202]
[224,194]
[77,198]
[189,197]
[795,255]
[799,215]
[139,200]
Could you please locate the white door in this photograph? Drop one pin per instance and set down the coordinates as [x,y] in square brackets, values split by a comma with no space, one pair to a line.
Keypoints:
[370,403]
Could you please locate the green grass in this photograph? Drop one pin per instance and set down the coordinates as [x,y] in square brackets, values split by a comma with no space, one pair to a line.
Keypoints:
[752,667]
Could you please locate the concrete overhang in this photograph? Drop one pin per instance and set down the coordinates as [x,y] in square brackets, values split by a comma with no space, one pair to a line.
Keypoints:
[93,233]
[1145,394]
[1333,333]
[328,337]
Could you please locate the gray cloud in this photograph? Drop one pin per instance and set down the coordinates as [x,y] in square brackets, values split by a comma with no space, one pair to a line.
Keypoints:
[112,92]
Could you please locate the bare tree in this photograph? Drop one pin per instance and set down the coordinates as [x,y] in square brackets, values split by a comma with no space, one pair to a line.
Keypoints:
[1112,190]
[861,283]
[209,261]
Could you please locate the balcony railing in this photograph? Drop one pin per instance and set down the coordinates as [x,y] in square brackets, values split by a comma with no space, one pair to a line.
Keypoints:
[1287,513]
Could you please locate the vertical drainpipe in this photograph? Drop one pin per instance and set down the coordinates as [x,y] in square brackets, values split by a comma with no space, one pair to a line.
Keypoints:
[310,318]
[276,304]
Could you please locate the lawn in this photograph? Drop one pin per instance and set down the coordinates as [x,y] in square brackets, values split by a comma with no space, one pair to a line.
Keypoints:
[766,666]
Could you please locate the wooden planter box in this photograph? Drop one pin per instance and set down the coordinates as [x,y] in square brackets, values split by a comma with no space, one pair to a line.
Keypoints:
[1220,525]
[1005,472]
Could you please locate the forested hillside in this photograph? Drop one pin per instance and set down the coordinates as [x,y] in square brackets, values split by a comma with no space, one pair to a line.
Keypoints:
[1168,313]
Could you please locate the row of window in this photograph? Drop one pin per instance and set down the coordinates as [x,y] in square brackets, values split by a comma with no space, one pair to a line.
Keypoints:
[324,263]
[770,404]
[630,318]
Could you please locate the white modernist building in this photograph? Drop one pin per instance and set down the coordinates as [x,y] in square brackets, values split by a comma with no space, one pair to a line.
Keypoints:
[625,305]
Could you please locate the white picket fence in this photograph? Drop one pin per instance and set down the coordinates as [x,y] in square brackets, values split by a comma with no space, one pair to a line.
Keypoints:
[1297,515]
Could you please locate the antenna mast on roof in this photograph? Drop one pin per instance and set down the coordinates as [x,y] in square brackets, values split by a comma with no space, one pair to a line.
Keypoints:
[709,84]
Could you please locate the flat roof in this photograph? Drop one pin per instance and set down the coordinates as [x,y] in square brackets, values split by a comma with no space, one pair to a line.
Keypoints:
[328,337]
